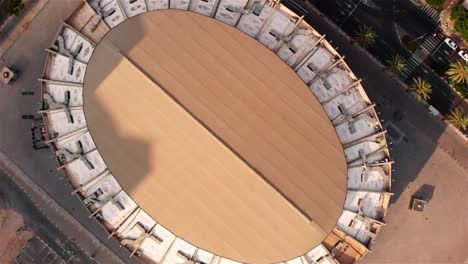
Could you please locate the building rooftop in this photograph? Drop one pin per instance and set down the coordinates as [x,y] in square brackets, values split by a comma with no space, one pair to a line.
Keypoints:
[190,141]
[253,153]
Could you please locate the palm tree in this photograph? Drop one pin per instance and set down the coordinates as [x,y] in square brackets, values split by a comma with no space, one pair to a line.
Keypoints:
[13,7]
[458,72]
[397,63]
[422,88]
[365,36]
[458,119]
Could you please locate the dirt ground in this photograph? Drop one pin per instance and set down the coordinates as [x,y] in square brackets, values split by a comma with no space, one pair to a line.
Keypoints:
[13,239]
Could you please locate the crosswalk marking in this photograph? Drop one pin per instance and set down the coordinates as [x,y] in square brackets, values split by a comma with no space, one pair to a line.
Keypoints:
[431,12]
[411,64]
[431,42]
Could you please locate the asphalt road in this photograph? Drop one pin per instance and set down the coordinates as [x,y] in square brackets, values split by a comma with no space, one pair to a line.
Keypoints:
[428,153]
[389,95]
[382,15]
[424,135]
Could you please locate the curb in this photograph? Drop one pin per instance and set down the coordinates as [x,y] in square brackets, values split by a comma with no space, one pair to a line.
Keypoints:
[394,76]
[349,38]
[21,26]
[68,225]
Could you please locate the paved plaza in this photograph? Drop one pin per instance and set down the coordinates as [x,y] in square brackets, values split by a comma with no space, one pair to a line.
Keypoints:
[431,153]
[426,151]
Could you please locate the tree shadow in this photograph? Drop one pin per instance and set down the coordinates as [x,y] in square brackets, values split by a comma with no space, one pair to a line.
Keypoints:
[417,131]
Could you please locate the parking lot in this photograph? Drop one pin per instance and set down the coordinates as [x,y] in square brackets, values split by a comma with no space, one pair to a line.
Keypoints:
[38,252]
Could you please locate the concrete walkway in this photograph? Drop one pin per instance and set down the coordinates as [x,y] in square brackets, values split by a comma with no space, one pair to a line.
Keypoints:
[429,153]
[27,54]
[447,25]
[16,26]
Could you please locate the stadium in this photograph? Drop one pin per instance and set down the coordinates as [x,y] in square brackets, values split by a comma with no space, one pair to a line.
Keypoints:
[215,131]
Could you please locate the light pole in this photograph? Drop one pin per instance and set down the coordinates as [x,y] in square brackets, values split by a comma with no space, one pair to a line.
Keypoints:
[420,37]
[352,11]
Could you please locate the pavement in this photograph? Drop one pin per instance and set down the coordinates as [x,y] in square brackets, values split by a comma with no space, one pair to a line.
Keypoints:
[447,24]
[13,27]
[38,252]
[15,200]
[383,16]
[27,54]
[439,234]
[56,214]
[430,152]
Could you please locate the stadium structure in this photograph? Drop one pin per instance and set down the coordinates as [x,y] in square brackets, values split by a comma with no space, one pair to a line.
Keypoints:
[215,131]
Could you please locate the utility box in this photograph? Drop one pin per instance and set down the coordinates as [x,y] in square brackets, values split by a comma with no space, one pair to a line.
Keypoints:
[433,111]
[418,205]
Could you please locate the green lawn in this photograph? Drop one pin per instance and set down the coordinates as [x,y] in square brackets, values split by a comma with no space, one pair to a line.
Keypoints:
[460,16]
[437,4]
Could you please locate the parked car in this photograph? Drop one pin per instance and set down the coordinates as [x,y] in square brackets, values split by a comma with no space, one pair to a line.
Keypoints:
[450,43]
[463,55]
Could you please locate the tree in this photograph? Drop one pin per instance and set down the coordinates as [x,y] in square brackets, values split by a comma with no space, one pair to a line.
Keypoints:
[458,72]
[460,17]
[458,12]
[458,119]
[436,4]
[397,63]
[14,7]
[365,36]
[422,88]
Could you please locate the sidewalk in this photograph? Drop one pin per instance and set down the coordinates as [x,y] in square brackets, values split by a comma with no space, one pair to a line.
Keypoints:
[57,214]
[28,55]
[15,26]
[447,25]
[432,154]
[378,82]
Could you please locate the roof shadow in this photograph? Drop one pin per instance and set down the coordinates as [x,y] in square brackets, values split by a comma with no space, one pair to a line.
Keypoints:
[105,129]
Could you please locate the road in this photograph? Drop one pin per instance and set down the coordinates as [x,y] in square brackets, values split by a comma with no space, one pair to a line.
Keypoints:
[380,15]
[429,153]
[384,17]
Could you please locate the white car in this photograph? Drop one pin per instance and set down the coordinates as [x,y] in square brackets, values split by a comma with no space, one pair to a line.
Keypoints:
[450,43]
[463,55]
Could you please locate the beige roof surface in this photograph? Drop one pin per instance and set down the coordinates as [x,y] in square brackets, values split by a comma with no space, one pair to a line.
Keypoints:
[215,137]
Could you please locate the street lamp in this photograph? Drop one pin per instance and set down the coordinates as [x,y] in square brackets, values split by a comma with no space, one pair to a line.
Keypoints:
[352,11]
